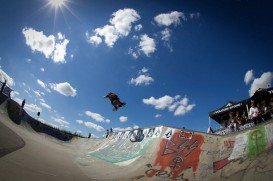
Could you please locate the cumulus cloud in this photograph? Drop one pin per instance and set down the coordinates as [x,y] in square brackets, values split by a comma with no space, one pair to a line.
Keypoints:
[123,119]
[64,88]
[120,25]
[42,69]
[166,34]
[177,104]
[158,115]
[97,117]
[143,78]
[147,45]
[4,76]
[138,27]
[51,46]
[167,19]
[249,76]
[91,125]
[263,82]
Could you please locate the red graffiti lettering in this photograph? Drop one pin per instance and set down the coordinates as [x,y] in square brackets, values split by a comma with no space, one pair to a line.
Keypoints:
[179,153]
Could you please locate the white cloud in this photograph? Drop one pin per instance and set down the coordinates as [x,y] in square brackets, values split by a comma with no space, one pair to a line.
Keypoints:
[96,40]
[4,76]
[109,33]
[194,15]
[79,121]
[183,109]
[144,70]
[37,41]
[249,76]
[32,108]
[135,127]
[166,34]
[158,115]
[133,53]
[51,46]
[60,51]
[97,117]
[120,26]
[91,125]
[263,82]
[138,27]
[123,19]
[61,121]
[64,88]
[78,131]
[170,18]
[28,60]
[123,119]
[13,94]
[42,69]
[160,103]
[178,105]
[37,93]
[121,129]
[147,45]
[45,105]
[142,79]
[41,83]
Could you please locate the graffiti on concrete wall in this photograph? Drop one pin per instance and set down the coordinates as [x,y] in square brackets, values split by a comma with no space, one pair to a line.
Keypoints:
[120,148]
[177,153]
[256,141]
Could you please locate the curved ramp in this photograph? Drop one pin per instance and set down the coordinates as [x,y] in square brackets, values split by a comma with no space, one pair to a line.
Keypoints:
[164,153]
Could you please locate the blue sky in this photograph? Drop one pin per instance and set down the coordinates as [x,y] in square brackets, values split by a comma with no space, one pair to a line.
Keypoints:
[171,61]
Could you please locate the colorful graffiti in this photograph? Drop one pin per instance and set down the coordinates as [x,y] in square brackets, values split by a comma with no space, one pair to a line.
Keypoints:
[256,142]
[177,153]
[119,147]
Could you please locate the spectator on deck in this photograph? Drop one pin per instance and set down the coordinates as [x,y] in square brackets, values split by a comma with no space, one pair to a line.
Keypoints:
[265,112]
[244,117]
[254,113]
[233,125]
[238,118]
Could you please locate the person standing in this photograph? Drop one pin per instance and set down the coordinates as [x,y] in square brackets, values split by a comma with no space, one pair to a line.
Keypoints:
[3,86]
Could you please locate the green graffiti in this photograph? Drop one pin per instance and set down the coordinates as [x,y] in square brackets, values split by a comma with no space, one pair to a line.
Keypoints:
[256,142]
[122,150]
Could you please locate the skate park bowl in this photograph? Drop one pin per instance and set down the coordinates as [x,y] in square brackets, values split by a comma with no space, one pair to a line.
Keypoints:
[157,153]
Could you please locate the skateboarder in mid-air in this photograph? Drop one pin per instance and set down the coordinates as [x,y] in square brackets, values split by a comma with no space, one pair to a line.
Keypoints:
[115,101]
